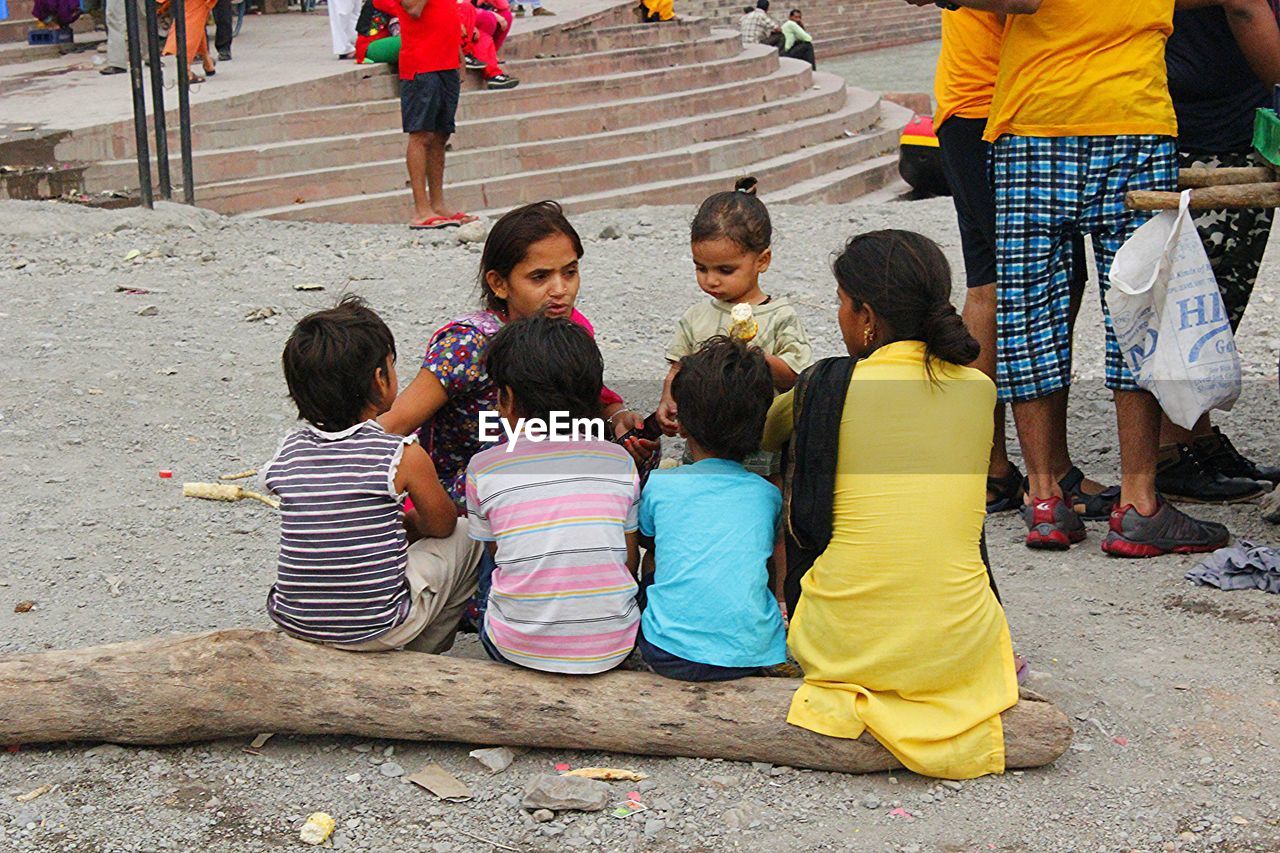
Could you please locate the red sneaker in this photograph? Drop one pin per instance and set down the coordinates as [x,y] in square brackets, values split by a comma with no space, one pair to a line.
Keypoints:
[1052,524]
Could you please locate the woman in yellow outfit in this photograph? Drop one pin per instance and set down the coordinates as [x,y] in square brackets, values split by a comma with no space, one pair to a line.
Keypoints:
[897,628]
[652,11]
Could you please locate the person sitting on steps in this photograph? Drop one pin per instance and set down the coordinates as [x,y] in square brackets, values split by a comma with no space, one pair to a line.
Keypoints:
[796,42]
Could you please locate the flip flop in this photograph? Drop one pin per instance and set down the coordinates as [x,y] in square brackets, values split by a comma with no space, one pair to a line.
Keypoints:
[435,223]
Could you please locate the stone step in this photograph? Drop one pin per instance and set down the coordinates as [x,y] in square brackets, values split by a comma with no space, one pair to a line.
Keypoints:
[842,185]
[15,52]
[260,163]
[718,45]
[852,181]
[825,119]
[784,170]
[672,176]
[605,38]
[543,119]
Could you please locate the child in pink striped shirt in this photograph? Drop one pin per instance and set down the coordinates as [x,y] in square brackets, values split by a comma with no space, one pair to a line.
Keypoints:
[556,505]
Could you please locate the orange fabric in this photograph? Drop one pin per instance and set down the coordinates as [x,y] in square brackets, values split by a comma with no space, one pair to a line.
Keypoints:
[1085,68]
[197,14]
[967,64]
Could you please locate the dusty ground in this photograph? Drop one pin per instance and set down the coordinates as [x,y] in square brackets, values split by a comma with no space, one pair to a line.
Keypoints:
[1172,688]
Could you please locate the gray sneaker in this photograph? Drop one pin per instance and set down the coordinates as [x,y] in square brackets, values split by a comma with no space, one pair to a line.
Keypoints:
[1168,530]
[1052,525]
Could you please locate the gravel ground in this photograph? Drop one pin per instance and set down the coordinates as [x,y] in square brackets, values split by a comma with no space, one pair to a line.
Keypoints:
[1172,688]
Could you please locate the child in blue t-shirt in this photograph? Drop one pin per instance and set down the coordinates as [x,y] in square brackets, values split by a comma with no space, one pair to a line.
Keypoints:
[709,614]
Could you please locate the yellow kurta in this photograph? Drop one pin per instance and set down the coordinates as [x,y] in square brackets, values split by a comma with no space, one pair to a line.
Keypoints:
[897,629]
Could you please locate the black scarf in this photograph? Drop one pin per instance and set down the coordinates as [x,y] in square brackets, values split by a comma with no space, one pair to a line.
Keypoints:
[810,484]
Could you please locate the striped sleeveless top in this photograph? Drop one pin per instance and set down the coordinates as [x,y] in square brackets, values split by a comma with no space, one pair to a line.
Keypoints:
[343,551]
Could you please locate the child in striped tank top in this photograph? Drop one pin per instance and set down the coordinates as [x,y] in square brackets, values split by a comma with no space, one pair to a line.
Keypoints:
[356,571]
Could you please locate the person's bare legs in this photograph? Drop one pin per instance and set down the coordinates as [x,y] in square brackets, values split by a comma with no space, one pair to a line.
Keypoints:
[1043,442]
[436,143]
[416,160]
[979,317]
[1171,433]
[1138,423]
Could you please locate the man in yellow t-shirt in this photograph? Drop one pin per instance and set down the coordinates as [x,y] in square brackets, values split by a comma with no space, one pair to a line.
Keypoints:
[1081,114]
[964,85]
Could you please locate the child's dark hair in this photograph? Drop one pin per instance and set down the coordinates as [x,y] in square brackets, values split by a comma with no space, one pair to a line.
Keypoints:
[551,364]
[722,393]
[906,280]
[738,216]
[330,362]
[512,235]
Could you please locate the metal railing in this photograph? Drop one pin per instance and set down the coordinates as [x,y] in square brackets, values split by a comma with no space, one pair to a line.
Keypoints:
[145,189]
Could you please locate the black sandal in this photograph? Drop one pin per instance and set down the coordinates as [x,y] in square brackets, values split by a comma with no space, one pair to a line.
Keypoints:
[1096,507]
[1008,491]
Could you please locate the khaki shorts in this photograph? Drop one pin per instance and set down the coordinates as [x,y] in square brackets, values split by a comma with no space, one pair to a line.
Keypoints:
[442,576]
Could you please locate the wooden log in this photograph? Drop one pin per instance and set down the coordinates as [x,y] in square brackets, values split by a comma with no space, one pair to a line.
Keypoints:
[1209,198]
[240,682]
[1226,176]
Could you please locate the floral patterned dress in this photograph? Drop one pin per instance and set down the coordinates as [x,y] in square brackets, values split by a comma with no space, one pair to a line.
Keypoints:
[455,355]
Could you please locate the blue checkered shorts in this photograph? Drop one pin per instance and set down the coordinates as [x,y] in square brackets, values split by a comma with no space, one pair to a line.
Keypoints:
[1047,191]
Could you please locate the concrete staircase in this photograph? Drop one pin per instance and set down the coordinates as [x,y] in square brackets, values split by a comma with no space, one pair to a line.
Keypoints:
[609,113]
[838,27]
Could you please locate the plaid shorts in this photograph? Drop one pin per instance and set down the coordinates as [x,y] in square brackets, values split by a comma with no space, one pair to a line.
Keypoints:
[1047,191]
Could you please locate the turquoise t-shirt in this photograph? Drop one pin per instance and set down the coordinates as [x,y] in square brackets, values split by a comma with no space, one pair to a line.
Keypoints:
[713,525]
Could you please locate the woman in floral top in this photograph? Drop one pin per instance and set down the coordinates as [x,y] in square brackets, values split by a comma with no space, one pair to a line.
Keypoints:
[529,266]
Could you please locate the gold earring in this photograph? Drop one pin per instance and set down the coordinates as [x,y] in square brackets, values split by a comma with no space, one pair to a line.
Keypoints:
[867,335]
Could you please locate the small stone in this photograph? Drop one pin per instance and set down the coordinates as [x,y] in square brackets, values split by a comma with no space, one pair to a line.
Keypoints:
[952,784]
[611,232]
[362,747]
[724,781]
[543,815]
[391,769]
[19,263]
[653,826]
[148,311]
[497,759]
[645,785]
[780,770]
[564,793]
[870,802]
[510,800]
[472,232]
[551,830]
[761,766]
[353,777]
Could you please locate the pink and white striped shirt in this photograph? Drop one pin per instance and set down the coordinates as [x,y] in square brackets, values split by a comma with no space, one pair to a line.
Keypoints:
[562,597]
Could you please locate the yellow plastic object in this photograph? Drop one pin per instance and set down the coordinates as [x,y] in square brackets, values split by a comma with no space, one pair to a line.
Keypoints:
[317,829]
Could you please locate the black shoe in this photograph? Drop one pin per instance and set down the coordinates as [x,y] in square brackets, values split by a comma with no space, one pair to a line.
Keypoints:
[1183,475]
[113,69]
[1219,454]
[472,63]
[502,81]
[224,56]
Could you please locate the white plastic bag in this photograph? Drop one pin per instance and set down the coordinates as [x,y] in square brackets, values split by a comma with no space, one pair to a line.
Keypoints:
[1170,321]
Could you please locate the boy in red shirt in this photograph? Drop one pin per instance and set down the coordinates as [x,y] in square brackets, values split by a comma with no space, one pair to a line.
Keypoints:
[430,85]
